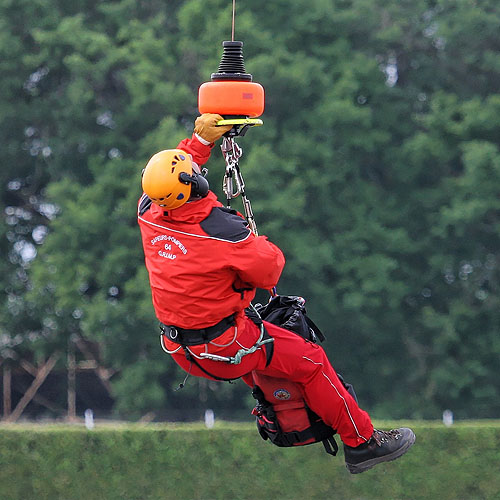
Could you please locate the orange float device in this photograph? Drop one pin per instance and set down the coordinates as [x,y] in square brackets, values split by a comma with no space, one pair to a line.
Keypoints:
[231,91]
[231,98]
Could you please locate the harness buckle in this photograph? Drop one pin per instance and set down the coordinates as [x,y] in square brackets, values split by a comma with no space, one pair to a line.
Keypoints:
[173,333]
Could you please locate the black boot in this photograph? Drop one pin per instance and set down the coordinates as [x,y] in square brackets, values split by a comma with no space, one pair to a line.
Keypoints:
[383,446]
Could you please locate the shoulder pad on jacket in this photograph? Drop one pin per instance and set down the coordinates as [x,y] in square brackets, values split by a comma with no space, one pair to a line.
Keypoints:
[144,205]
[225,224]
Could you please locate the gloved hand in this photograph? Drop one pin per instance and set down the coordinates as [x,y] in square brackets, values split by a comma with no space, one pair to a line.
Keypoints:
[205,127]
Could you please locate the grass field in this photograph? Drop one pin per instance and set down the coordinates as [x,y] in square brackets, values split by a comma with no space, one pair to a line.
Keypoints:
[230,461]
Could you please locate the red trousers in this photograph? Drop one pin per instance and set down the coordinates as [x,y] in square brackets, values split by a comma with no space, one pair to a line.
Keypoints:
[294,359]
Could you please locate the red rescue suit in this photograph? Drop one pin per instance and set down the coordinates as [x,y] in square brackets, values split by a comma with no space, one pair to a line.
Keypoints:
[204,265]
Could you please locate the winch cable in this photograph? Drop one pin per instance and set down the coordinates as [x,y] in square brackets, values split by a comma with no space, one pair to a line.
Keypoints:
[234,15]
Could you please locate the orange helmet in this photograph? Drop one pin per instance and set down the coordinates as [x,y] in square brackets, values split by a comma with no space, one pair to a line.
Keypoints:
[161,179]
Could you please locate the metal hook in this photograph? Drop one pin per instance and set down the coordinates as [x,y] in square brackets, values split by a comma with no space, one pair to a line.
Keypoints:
[232,153]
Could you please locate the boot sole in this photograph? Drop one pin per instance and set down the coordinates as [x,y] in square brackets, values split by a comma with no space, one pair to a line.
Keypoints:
[361,467]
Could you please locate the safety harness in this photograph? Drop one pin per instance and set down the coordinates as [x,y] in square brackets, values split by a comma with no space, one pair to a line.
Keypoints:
[191,337]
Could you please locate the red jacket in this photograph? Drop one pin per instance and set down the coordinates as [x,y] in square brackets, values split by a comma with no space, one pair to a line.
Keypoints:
[204,263]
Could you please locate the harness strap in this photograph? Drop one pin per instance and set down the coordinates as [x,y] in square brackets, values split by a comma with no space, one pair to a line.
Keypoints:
[184,336]
[292,437]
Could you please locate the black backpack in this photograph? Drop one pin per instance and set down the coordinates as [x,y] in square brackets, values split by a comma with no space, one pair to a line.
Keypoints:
[289,312]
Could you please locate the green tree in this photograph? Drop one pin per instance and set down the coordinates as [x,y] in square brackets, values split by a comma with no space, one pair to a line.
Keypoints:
[374,171]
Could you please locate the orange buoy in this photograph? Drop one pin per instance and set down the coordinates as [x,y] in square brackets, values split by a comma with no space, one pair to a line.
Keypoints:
[232,98]
[231,91]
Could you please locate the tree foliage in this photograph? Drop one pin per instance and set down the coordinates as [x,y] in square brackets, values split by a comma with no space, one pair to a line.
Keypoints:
[376,172]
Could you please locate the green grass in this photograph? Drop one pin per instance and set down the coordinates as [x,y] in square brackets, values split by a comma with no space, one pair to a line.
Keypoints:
[230,461]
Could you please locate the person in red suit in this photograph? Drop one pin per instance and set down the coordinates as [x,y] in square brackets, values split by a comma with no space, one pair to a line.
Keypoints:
[204,266]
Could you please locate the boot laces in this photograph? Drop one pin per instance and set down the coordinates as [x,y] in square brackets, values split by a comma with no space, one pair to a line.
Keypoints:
[382,437]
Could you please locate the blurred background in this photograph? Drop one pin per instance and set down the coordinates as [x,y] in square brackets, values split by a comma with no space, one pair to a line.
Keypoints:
[377,171]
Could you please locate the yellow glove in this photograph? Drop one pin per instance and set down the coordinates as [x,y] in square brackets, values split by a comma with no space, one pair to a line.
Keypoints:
[205,127]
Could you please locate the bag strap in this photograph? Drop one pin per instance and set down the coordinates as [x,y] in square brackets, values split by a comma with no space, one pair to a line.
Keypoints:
[331,446]
[252,314]
[314,328]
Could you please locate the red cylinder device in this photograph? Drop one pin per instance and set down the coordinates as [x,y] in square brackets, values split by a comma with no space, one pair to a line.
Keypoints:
[231,91]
